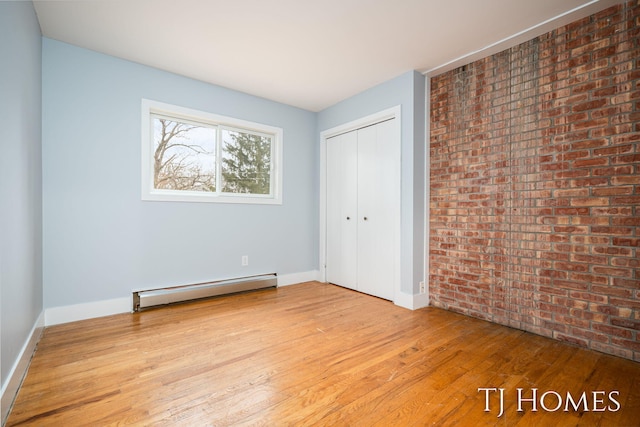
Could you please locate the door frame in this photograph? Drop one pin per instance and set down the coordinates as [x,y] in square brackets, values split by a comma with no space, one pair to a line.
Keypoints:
[390,113]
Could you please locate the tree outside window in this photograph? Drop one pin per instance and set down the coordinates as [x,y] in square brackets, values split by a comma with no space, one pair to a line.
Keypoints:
[184,156]
[246,163]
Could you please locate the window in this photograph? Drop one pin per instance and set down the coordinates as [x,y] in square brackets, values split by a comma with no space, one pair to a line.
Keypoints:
[193,156]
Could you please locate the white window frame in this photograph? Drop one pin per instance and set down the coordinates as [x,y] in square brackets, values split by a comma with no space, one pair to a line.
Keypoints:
[149,193]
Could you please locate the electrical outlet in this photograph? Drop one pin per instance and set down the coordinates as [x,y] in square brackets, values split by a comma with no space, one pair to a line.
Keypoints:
[423,288]
[245,259]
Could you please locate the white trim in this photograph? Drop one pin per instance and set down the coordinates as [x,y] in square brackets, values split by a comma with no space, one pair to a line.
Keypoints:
[148,193]
[322,225]
[427,191]
[295,278]
[412,302]
[525,35]
[89,310]
[20,367]
[390,113]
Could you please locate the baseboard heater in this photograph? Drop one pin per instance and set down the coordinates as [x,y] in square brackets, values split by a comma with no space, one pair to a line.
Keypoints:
[163,296]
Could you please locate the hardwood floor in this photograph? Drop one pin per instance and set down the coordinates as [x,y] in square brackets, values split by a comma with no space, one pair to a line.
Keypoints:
[314,354]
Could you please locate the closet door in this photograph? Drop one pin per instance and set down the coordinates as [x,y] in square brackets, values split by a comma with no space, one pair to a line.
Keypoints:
[342,206]
[378,198]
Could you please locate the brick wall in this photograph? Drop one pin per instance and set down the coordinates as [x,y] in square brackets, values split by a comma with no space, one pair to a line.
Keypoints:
[535,185]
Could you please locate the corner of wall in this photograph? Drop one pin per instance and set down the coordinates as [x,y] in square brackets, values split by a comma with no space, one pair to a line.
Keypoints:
[20,368]
[411,302]
[295,278]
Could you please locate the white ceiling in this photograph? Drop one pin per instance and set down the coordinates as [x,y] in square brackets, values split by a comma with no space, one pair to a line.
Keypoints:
[309,54]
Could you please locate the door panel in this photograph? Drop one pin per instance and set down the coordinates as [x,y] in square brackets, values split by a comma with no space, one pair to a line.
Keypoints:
[342,203]
[376,204]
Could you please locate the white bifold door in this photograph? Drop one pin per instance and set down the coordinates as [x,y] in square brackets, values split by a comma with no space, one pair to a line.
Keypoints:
[362,209]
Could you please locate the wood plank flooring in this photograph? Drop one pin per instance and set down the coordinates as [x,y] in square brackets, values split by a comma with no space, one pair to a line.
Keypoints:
[314,354]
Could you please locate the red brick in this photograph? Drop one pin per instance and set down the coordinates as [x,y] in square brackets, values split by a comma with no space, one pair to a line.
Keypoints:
[567,266]
[623,241]
[625,343]
[616,211]
[574,192]
[589,296]
[589,278]
[619,149]
[613,330]
[632,221]
[619,170]
[589,182]
[590,201]
[571,229]
[589,143]
[625,262]
[612,230]
[626,283]
[626,323]
[612,191]
[591,259]
[610,250]
[622,180]
[570,339]
[589,105]
[596,240]
[571,211]
[573,321]
[590,220]
[629,158]
[535,185]
[629,200]
[621,272]
[612,291]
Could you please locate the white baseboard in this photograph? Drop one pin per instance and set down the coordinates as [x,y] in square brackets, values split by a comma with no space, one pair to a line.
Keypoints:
[412,302]
[420,301]
[89,310]
[19,370]
[295,278]
[72,313]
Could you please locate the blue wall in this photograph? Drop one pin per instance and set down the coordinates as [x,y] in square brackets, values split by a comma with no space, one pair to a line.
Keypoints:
[74,227]
[20,180]
[101,240]
[408,91]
